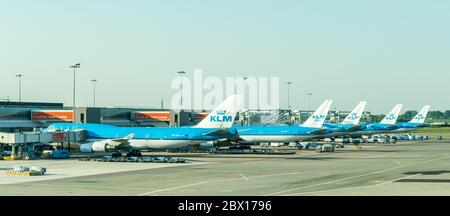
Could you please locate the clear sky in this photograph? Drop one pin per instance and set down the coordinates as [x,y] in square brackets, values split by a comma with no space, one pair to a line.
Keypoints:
[382,51]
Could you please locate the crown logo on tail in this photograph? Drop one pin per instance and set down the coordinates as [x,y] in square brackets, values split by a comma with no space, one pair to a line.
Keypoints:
[221,112]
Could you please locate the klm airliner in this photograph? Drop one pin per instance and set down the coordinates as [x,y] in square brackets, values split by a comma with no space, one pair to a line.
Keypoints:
[106,138]
[387,125]
[349,124]
[285,134]
[417,122]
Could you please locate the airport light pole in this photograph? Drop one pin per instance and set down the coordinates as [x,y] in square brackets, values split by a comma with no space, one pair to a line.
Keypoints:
[94,81]
[309,103]
[245,81]
[20,86]
[289,96]
[181,80]
[74,78]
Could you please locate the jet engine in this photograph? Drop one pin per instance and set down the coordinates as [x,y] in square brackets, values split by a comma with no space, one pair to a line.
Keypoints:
[98,146]
[209,144]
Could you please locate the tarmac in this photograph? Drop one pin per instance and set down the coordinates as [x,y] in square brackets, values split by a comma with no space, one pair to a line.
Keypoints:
[404,168]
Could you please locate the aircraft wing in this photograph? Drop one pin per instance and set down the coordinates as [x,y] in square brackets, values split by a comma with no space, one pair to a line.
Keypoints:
[318,131]
[338,129]
[242,130]
[218,132]
[390,127]
[354,128]
[123,140]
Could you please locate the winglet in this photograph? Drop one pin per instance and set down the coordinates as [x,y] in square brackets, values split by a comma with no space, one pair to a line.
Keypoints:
[223,116]
[355,116]
[318,118]
[422,115]
[130,136]
[124,139]
[392,117]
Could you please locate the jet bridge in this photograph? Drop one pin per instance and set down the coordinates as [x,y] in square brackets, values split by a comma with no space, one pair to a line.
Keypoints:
[22,143]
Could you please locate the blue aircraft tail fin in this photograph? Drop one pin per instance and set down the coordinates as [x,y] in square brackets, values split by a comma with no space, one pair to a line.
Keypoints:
[355,116]
[392,117]
[319,116]
[223,116]
[422,115]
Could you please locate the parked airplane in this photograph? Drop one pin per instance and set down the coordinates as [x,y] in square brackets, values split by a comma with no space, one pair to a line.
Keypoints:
[106,138]
[387,125]
[349,124]
[417,122]
[285,134]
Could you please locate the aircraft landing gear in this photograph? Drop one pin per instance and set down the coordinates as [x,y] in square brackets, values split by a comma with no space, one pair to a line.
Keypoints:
[239,147]
[116,154]
[134,153]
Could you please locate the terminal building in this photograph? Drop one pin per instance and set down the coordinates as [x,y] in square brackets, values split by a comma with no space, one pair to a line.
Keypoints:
[31,116]
[21,123]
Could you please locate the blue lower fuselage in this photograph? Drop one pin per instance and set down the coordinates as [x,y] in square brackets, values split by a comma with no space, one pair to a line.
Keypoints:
[374,128]
[282,134]
[338,129]
[409,126]
[147,137]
